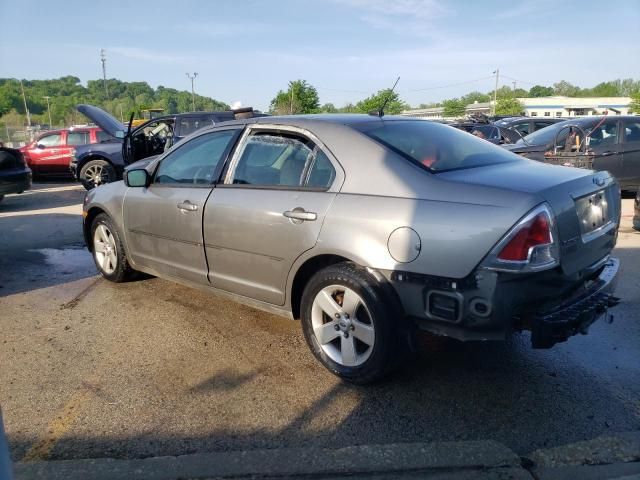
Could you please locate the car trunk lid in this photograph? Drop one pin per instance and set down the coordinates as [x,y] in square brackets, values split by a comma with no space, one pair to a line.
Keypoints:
[586,204]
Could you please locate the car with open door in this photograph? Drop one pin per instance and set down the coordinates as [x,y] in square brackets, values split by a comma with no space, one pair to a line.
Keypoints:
[95,165]
[367,228]
[606,143]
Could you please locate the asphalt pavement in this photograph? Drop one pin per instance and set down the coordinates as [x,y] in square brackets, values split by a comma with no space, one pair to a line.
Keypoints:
[149,368]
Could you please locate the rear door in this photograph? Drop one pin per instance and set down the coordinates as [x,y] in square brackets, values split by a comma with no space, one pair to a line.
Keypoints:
[605,142]
[630,176]
[269,210]
[164,221]
[74,138]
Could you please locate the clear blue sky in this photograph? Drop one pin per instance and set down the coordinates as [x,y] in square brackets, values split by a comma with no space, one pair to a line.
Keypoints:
[245,50]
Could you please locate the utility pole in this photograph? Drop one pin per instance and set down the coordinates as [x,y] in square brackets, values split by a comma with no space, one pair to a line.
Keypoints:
[103,59]
[49,110]
[193,93]
[514,86]
[26,109]
[291,103]
[495,91]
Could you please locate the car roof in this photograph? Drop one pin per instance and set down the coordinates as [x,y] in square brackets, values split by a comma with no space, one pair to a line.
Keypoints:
[346,119]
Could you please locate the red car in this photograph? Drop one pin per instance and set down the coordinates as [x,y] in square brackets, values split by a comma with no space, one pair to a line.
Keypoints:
[52,151]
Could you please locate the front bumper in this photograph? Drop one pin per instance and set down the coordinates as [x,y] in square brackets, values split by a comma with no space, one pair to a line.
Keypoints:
[576,314]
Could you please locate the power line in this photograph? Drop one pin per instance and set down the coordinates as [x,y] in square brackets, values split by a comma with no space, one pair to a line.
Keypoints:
[451,84]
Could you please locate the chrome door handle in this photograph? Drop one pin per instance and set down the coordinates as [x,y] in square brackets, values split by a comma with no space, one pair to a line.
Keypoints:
[608,154]
[187,206]
[300,214]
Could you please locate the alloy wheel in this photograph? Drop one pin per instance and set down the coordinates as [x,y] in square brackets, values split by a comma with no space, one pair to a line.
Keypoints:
[342,325]
[97,175]
[104,249]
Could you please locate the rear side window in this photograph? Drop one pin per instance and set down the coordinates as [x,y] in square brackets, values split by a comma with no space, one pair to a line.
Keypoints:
[78,138]
[273,160]
[434,146]
[102,136]
[189,125]
[631,131]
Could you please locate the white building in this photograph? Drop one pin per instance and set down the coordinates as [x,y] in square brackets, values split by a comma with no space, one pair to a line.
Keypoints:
[542,107]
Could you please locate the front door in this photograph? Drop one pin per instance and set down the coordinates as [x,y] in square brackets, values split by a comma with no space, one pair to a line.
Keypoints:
[164,221]
[46,154]
[268,212]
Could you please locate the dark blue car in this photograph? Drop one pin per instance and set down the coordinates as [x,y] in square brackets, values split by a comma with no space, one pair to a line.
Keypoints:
[104,162]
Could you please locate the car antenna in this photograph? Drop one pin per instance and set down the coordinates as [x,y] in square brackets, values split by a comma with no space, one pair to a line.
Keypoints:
[380,112]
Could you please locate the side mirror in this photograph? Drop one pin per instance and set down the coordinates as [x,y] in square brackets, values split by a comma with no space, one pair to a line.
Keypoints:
[40,146]
[137,178]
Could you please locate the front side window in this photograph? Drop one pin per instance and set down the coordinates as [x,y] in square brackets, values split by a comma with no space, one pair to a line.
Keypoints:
[435,146]
[54,140]
[196,162]
[522,128]
[604,134]
[78,138]
[273,159]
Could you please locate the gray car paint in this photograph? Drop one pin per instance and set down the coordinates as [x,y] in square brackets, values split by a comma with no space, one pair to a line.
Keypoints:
[459,215]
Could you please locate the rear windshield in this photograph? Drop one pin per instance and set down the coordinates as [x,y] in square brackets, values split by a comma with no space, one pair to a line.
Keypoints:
[435,146]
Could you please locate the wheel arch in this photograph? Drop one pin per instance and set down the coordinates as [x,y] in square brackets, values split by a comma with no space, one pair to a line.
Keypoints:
[92,213]
[304,273]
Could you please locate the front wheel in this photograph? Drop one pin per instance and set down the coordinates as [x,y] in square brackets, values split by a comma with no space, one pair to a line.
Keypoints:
[108,251]
[350,323]
[96,173]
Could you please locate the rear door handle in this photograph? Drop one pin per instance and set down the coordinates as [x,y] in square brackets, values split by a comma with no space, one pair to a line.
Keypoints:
[187,206]
[301,214]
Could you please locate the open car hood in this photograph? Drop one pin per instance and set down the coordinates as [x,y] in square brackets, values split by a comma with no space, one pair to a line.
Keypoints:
[104,120]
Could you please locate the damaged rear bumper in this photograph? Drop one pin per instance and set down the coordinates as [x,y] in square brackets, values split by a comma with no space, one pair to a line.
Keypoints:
[577,313]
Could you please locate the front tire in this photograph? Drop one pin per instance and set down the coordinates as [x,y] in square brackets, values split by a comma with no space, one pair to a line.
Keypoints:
[108,251]
[350,323]
[96,173]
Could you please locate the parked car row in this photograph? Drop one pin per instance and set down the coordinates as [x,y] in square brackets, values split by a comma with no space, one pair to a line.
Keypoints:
[369,227]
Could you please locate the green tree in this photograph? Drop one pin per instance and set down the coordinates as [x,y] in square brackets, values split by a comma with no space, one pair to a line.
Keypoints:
[394,104]
[300,97]
[328,108]
[509,106]
[634,106]
[473,97]
[540,91]
[566,89]
[453,108]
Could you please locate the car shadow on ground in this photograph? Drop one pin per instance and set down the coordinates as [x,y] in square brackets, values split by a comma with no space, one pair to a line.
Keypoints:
[33,256]
[43,197]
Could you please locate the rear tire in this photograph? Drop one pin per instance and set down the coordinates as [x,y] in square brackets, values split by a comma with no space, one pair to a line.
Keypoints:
[96,173]
[108,251]
[351,324]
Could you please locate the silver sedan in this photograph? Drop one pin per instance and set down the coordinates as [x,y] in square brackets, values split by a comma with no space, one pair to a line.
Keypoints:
[367,228]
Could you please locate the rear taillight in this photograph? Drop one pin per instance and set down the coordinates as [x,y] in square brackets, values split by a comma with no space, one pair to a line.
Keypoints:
[536,232]
[530,245]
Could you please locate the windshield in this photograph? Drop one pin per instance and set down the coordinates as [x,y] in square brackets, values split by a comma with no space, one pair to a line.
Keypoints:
[434,146]
[547,135]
